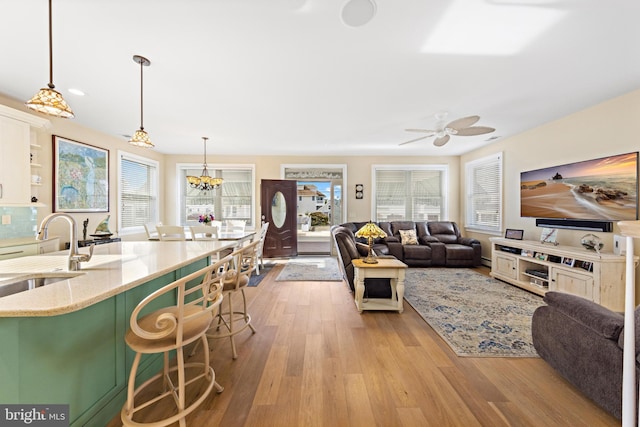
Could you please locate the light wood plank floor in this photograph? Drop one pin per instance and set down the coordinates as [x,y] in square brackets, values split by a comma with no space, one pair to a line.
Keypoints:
[316,361]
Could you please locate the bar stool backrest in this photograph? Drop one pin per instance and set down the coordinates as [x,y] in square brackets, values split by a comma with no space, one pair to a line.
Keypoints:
[192,302]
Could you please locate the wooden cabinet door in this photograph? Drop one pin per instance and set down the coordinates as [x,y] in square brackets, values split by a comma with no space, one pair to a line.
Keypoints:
[572,282]
[15,174]
[506,266]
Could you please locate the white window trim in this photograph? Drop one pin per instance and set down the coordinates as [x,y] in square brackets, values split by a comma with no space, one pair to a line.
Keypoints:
[156,186]
[212,166]
[469,186]
[430,167]
[343,166]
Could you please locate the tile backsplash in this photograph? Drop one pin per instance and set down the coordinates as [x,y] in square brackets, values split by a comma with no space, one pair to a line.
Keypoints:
[24,222]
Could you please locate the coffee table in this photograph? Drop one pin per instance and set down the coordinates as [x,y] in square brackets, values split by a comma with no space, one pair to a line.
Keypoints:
[386,268]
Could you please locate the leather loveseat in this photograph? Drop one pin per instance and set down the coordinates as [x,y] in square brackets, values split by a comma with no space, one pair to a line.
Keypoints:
[583,341]
[434,243]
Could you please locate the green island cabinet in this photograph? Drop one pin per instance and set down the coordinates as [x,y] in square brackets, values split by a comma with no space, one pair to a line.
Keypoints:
[79,358]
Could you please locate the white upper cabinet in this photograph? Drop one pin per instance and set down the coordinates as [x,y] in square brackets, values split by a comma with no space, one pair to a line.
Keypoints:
[15,170]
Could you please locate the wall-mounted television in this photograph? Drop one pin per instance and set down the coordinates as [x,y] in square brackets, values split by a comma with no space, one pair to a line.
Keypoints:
[603,189]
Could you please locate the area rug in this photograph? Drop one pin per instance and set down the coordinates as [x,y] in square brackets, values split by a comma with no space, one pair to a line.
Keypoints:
[311,269]
[476,315]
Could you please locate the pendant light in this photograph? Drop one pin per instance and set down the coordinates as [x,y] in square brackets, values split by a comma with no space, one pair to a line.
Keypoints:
[48,100]
[204,182]
[141,137]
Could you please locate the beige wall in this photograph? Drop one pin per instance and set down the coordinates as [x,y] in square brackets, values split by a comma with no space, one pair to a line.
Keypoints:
[605,129]
[358,172]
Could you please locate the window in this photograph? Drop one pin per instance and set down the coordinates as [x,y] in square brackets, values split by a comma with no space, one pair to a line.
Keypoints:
[234,200]
[484,194]
[411,192]
[137,193]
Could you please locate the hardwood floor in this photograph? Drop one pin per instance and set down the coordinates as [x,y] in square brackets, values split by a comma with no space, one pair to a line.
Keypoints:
[315,361]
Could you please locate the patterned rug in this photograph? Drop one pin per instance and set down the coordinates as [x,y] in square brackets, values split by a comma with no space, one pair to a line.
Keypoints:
[478,316]
[323,269]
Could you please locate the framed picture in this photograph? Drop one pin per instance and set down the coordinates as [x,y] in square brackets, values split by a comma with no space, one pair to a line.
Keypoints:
[568,261]
[549,235]
[527,252]
[80,177]
[541,256]
[587,265]
[511,233]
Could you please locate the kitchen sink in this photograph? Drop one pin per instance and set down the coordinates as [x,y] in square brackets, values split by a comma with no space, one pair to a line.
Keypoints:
[26,282]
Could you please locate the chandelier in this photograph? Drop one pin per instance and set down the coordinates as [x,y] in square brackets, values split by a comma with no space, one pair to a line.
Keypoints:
[204,182]
[48,100]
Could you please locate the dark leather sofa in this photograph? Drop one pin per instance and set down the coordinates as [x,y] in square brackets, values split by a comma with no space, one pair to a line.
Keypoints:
[439,244]
[348,250]
[583,341]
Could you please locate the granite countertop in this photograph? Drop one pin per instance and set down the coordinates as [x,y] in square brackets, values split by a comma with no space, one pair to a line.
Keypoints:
[113,269]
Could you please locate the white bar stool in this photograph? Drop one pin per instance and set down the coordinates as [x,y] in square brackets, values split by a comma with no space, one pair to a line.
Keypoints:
[172,328]
[235,281]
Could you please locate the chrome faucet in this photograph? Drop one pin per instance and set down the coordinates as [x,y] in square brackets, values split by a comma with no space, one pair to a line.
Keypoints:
[75,257]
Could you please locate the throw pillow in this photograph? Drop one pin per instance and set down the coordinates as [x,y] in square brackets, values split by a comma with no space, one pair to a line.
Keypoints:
[408,237]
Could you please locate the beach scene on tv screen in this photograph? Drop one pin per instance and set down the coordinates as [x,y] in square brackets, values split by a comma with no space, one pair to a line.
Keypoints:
[599,189]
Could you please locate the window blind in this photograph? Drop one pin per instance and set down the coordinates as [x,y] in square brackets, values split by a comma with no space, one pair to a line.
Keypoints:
[233,200]
[409,194]
[138,198]
[484,193]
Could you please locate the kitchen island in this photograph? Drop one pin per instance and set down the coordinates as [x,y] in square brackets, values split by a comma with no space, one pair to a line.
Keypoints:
[63,343]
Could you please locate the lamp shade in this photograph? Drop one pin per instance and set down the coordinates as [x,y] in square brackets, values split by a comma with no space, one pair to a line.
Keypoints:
[141,139]
[371,230]
[51,102]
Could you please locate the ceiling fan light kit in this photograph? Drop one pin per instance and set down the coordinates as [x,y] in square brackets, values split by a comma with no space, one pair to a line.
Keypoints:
[459,127]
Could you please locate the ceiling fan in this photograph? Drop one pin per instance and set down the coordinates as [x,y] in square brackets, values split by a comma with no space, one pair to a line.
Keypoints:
[443,132]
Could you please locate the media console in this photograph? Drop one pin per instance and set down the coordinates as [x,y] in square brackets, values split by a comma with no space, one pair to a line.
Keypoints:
[539,268]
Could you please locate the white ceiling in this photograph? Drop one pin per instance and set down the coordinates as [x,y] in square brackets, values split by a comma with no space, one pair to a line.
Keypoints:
[289,77]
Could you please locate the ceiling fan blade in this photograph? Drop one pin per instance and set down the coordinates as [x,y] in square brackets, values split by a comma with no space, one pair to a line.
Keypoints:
[417,139]
[432,132]
[474,130]
[464,122]
[439,142]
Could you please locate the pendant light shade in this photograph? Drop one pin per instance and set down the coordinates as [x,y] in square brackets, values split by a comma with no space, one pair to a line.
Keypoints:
[141,137]
[204,182]
[48,100]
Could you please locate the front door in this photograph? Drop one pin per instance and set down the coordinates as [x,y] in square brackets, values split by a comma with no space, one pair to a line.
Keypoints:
[278,198]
